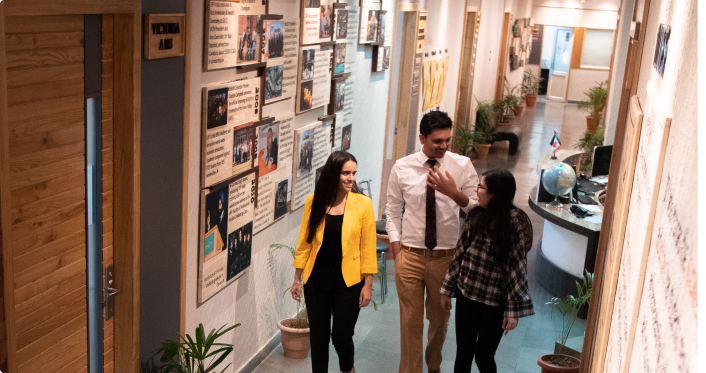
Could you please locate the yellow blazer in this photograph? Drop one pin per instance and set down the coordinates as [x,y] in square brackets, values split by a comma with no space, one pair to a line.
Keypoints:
[358,240]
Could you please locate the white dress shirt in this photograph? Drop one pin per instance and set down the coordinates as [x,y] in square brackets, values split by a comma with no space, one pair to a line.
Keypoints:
[407,189]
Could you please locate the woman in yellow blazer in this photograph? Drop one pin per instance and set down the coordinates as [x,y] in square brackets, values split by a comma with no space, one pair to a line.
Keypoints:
[336,259]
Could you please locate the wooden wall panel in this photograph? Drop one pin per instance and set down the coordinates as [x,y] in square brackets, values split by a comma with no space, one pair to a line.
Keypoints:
[46,150]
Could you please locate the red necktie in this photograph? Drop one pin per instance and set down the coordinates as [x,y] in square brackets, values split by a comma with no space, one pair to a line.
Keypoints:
[430,231]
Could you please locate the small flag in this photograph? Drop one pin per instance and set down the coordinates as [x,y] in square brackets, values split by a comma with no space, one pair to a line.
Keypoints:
[555,143]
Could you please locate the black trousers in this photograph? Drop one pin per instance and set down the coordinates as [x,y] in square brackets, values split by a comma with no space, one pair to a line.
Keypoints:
[325,300]
[479,328]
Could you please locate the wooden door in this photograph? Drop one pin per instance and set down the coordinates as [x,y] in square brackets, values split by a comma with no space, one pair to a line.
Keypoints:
[46,224]
[464,100]
[503,53]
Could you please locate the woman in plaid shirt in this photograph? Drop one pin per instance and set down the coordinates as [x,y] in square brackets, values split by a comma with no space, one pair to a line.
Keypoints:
[488,274]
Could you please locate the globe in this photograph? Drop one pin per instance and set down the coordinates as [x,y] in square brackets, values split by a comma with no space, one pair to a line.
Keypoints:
[559,179]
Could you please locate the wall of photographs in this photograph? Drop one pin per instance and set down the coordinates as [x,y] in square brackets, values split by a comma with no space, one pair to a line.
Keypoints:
[255,168]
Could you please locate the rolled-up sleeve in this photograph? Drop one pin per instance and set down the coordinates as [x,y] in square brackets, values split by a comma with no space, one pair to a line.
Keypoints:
[468,186]
[368,239]
[393,209]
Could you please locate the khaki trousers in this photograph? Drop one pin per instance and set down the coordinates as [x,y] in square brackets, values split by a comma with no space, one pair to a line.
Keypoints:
[414,274]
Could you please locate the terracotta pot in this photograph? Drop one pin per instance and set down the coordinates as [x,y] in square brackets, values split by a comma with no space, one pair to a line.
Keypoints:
[563,350]
[482,150]
[295,341]
[518,110]
[590,125]
[551,368]
[505,122]
[530,100]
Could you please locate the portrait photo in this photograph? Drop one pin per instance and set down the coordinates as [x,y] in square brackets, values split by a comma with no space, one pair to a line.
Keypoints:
[216,222]
[308,64]
[305,95]
[339,98]
[371,33]
[239,250]
[248,38]
[346,137]
[242,148]
[340,58]
[217,108]
[267,148]
[341,24]
[283,197]
[274,39]
[305,152]
[273,81]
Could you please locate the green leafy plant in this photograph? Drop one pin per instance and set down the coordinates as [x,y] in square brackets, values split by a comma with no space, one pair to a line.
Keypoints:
[516,30]
[530,83]
[569,307]
[466,139]
[190,355]
[587,143]
[511,96]
[485,117]
[597,99]
[301,320]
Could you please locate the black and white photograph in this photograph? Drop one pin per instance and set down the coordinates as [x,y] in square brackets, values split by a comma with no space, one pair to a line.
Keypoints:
[305,96]
[341,24]
[267,148]
[216,222]
[308,64]
[325,18]
[274,39]
[305,153]
[217,110]
[282,197]
[339,98]
[381,27]
[371,33]
[248,37]
[273,81]
[242,148]
[346,137]
[386,58]
[339,58]
[239,250]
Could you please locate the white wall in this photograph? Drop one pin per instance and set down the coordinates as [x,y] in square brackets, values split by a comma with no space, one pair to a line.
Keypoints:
[255,300]
[488,51]
[581,80]
[618,68]
[596,19]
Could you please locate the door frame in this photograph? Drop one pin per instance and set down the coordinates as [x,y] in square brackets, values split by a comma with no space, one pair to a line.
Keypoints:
[464,95]
[502,58]
[126,113]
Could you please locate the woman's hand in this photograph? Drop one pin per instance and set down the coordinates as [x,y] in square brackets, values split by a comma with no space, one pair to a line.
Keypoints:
[445,302]
[366,294]
[296,290]
[510,323]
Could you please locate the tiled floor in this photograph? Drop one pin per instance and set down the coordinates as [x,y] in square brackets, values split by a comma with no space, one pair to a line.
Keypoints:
[377,332]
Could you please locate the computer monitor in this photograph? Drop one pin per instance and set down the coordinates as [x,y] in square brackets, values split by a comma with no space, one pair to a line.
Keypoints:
[601,160]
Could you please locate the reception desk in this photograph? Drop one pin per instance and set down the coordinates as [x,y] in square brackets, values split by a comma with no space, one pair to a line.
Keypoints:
[567,248]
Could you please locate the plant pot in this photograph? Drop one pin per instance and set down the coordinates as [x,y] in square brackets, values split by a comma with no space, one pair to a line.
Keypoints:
[482,150]
[518,110]
[295,341]
[530,100]
[552,368]
[591,125]
[564,350]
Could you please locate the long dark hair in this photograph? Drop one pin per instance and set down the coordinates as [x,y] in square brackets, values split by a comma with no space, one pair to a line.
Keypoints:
[495,219]
[327,189]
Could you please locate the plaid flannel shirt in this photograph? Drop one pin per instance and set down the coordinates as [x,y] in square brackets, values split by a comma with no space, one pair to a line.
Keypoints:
[475,273]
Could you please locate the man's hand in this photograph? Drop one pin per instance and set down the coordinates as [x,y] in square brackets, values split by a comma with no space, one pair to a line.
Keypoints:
[395,249]
[446,185]
[445,302]
[510,323]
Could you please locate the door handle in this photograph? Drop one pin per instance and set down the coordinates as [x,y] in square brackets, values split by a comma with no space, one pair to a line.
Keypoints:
[110,293]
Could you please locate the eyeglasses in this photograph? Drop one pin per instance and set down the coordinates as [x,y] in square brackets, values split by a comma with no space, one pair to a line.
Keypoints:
[479,186]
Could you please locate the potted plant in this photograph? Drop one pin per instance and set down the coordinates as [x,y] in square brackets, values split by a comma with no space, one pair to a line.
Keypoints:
[513,99]
[483,129]
[190,355]
[467,139]
[566,359]
[597,99]
[295,331]
[530,87]
[587,143]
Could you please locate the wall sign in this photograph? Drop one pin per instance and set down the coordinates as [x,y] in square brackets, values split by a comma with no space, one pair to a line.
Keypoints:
[164,35]
[232,33]
[315,69]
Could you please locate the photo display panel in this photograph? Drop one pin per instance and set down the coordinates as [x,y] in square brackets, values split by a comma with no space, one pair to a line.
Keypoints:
[312,146]
[232,33]
[226,233]
[280,49]
[369,22]
[315,70]
[317,21]
[229,110]
[270,204]
[344,117]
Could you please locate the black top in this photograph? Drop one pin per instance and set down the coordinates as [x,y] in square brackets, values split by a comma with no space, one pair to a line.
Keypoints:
[327,266]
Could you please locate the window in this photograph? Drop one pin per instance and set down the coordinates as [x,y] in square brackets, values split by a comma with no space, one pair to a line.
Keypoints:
[597,49]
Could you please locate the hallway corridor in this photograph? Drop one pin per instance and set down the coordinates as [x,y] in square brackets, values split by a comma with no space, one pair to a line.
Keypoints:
[377,332]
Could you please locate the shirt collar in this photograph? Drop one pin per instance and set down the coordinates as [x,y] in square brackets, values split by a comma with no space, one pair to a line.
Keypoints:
[423,157]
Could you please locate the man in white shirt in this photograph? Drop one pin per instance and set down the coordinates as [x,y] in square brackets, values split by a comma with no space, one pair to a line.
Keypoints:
[426,190]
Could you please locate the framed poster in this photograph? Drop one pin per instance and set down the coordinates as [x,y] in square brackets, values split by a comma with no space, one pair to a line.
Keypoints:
[344,117]
[340,32]
[232,33]
[314,78]
[280,52]
[338,94]
[226,233]
[317,25]
[228,112]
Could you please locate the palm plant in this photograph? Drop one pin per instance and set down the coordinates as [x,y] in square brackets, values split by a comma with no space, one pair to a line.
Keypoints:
[301,320]
[530,83]
[587,143]
[569,307]
[597,100]
[190,355]
[466,139]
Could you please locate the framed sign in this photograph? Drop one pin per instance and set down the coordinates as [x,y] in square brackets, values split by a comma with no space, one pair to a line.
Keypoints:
[232,33]
[317,21]
[164,35]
